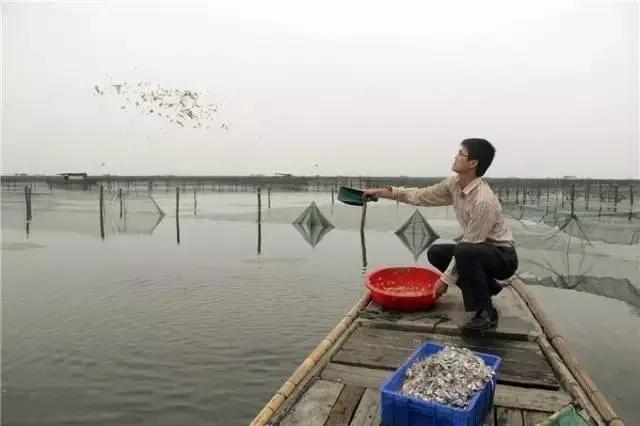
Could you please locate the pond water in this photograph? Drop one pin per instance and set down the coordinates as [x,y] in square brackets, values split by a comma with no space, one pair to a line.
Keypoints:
[138,328]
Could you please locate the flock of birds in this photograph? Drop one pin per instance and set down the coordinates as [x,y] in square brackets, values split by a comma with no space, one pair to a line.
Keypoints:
[178,106]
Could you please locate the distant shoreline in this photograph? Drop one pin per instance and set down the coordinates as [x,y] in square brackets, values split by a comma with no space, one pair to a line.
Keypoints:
[284,177]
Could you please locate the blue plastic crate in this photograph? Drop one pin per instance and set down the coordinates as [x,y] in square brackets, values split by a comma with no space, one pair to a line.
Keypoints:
[402,410]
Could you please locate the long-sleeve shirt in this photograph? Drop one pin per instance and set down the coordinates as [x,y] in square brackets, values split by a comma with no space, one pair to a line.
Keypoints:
[476,207]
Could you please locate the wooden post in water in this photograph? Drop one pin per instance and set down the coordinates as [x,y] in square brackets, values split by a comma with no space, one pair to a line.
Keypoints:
[332,197]
[573,197]
[259,205]
[562,202]
[259,221]
[120,197]
[178,213]
[363,245]
[363,217]
[615,197]
[601,200]
[269,197]
[102,212]
[546,209]
[587,196]
[630,201]
[27,200]
[195,201]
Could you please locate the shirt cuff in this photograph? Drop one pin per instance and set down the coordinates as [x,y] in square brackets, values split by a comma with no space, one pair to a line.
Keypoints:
[448,279]
[395,191]
[450,275]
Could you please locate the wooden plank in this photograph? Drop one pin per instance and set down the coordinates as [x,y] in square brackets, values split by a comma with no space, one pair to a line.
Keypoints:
[368,411]
[506,396]
[357,376]
[411,340]
[509,417]
[523,362]
[447,316]
[315,405]
[532,418]
[512,371]
[451,328]
[345,406]
[530,399]
[368,340]
[490,420]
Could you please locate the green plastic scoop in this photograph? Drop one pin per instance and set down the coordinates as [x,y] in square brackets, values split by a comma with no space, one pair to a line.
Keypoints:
[353,197]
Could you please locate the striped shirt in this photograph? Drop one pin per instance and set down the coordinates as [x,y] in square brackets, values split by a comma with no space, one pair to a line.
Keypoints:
[476,207]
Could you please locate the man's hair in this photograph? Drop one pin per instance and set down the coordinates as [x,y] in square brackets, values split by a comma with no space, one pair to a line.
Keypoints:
[482,151]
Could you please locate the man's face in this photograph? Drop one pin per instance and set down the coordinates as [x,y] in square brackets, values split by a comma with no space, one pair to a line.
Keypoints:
[462,163]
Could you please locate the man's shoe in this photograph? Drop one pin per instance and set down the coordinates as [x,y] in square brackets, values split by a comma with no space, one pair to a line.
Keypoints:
[483,320]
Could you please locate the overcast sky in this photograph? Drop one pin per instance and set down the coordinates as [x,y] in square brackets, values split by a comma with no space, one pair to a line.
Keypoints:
[331,87]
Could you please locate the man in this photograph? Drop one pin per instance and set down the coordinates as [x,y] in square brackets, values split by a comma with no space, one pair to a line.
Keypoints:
[486,250]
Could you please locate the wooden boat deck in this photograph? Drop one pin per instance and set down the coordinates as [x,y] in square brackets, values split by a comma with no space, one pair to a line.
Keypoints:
[339,383]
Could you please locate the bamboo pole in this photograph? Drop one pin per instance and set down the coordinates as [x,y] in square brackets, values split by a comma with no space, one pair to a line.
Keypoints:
[302,372]
[567,380]
[598,400]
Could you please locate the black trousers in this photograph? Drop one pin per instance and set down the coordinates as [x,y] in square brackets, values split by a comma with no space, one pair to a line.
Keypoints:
[478,265]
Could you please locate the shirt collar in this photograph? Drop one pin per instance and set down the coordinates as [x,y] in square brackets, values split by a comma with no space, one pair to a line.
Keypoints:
[471,186]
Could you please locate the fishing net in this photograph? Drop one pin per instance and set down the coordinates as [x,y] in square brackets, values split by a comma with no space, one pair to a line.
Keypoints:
[312,225]
[416,234]
[133,214]
[607,213]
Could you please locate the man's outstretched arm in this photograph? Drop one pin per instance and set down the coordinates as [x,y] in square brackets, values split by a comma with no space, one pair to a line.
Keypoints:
[434,195]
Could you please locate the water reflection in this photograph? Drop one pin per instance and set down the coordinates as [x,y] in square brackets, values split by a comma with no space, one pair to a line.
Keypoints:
[614,288]
[363,245]
[416,234]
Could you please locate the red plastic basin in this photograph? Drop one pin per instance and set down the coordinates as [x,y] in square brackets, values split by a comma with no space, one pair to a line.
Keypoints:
[402,288]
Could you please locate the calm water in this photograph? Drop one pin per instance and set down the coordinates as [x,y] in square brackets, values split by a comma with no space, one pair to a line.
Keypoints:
[138,329]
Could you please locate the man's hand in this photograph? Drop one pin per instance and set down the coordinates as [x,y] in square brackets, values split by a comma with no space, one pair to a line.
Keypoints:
[378,193]
[439,288]
[371,193]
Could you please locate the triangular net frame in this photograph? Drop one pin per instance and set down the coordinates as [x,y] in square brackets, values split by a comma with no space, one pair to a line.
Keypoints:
[416,234]
[312,225]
